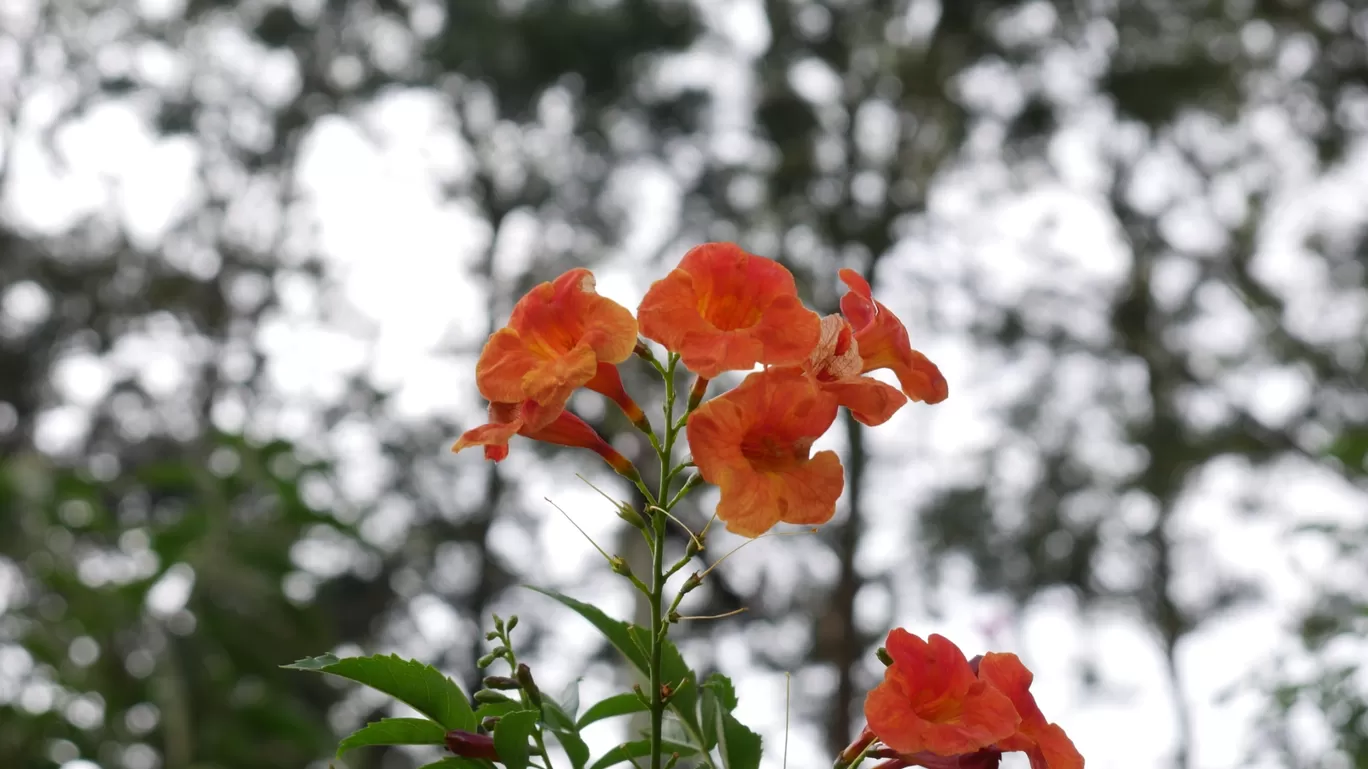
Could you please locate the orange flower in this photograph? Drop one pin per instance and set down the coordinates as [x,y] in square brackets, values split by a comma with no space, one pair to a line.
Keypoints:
[723,309]
[931,701]
[506,420]
[883,343]
[755,442]
[836,366]
[560,336]
[1044,743]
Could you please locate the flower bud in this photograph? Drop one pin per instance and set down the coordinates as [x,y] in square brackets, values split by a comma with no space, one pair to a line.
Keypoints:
[501,682]
[512,623]
[528,685]
[471,745]
[619,566]
[489,697]
[489,722]
[492,635]
[627,513]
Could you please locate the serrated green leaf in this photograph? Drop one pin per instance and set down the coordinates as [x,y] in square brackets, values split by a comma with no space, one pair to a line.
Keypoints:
[639,748]
[724,689]
[511,735]
[739,746]
[394,731]
[419,686]
[617,705]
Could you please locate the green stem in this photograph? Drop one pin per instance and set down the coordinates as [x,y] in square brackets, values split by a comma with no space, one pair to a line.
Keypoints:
[658,576]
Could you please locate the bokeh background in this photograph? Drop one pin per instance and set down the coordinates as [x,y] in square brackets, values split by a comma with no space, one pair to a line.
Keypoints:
[250,251]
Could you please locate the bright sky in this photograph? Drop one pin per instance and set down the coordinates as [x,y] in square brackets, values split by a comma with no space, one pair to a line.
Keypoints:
[401,256]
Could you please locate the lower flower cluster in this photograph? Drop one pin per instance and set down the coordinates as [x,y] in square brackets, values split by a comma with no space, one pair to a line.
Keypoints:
[938,710]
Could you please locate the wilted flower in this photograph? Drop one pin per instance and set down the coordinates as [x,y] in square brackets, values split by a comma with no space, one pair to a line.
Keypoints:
[506,420]
[882,343]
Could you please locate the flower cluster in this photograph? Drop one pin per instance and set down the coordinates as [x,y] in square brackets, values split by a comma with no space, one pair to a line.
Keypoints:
[722,309]
[938,710]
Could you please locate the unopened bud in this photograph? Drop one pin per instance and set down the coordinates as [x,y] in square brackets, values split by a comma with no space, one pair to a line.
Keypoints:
[528,685]
[489,722]
[501,682]
[486,660]
[692,582]
[631,516]
[498,622]
[492,635]
[619,566]
[488,697]
[512,623]
[470,745]
[884,656]
[696,393]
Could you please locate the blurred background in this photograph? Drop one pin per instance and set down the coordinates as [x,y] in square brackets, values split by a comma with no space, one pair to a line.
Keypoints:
[249,253]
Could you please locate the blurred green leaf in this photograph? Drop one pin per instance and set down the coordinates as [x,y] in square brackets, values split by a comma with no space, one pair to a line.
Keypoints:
[617,705]
[394,731]
[417,685]
[511,736]
[639,748]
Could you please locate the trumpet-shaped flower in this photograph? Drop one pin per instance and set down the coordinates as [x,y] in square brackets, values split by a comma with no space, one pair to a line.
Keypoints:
[1045,743]
[755,442]
[506,420]
[559,337]
[883,343]
[836,367]
[930,701]
[723,309]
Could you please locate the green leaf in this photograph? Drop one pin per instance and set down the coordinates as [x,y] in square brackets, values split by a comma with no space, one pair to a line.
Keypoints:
[395,731]
[417,685]
[617,705]
[675,672]
[739,746]
[487,709]
[638,749]
[633,641]
[511,735]
[617,632]
[723,689]
[563,726]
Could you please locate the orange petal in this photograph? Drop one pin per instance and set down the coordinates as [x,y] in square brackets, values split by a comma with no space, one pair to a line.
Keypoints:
[1046,744]
[557,316]
[931,701]
[883,342]
[553,380]
[754,443]
[565,429]
[504,423]
[557,335]
[723,309]
[608,382]
[870,401]
[503,363]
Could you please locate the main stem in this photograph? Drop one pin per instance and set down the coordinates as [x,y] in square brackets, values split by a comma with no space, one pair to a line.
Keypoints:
[658,571]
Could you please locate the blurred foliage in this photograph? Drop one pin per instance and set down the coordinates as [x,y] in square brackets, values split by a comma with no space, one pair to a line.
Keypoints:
[824,144]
